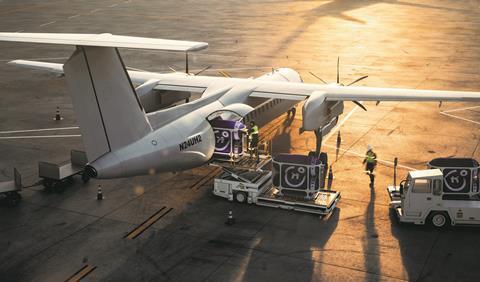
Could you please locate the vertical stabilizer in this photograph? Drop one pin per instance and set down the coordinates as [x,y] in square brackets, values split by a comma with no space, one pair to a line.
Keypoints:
[107,109]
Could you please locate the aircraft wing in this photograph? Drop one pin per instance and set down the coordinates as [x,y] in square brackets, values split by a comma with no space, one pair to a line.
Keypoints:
[302,91]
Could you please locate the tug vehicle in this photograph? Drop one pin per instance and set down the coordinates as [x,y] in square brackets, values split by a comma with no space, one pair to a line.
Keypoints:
[446,194]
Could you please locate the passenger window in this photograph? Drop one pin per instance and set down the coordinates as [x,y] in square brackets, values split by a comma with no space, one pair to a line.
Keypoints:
[437,187]
[421,186]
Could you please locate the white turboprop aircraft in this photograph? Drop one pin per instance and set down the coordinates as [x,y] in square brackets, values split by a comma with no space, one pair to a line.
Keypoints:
[122,140]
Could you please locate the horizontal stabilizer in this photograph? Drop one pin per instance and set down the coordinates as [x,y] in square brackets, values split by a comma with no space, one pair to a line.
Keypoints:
[104,40]
[35,65]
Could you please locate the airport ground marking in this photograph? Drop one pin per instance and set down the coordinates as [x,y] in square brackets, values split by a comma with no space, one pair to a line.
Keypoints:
[40,136]
[36,59]
[205,179]
[147,223]
[82,273]
[45,24]
[363,155]
[337,127]
[460,118]
[39,130]
[460,109]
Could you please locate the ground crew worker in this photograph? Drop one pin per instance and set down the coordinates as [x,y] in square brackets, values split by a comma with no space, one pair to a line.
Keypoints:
[370,162]
[238,130]
[254,140]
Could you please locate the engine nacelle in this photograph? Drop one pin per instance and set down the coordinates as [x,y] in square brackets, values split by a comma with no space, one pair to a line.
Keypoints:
[166,149]
[318,113]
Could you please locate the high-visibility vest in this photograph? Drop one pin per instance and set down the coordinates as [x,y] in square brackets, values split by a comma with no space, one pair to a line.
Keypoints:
[254,130]
[370,157]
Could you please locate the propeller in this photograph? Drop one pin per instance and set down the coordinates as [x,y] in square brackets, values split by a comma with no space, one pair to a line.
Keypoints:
[134,69]
[357,80]
[224,73]
[338,82]
[202,70]
[187,69]
[317,77]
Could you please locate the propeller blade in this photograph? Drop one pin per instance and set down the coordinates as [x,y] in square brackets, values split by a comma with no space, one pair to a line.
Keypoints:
[378,102]
[360,105]
[338,70]
[357,80]
[224,73]
[202,70]
[317,77]
[134,69]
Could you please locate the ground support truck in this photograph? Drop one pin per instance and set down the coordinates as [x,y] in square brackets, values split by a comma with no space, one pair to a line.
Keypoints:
[445,195]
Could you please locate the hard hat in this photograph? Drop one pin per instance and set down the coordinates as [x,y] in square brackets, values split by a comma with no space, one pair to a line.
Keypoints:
[369,147]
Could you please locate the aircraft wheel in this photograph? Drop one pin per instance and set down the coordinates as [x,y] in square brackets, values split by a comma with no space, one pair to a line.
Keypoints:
[241,197]
[439,219]
[85,177]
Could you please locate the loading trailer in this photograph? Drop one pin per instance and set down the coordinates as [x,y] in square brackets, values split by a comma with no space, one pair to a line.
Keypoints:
[291,185]
[9,190]
[445,195]
[57,177]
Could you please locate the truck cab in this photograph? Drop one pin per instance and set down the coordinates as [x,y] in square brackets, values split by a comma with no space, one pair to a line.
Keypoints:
[425,196]
[419,197]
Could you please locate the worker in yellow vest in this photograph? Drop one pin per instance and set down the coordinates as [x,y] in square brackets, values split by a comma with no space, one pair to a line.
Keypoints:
[253,145]
[370,162]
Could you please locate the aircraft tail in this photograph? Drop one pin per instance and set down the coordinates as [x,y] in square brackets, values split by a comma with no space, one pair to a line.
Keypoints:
[108,110]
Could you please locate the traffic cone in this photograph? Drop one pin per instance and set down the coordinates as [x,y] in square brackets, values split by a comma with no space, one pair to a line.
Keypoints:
[230,218]
[99,193]
[57,115]
[330,178]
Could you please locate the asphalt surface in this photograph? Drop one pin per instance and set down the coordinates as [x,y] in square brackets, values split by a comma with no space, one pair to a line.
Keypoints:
[414,44]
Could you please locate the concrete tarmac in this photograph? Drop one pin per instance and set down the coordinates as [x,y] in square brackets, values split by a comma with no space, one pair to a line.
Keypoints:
[414,44]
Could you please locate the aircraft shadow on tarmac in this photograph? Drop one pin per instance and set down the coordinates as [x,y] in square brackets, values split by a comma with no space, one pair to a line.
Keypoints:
[338,9]
[429,254]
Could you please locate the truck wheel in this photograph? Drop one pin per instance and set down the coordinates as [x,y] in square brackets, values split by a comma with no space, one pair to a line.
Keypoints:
[60,187]
[439,219]
[13,198]
[48,183]
[240,197]
[69,181]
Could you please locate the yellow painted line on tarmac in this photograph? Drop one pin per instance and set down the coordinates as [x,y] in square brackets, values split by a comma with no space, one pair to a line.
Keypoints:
[147,223]
[82,273]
